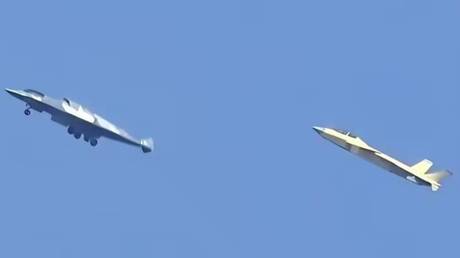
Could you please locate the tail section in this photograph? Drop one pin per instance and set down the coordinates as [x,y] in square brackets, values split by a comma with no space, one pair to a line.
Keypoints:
[437,177]
[147,145]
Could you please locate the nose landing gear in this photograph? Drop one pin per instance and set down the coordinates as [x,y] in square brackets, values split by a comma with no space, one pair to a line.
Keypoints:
[27,111]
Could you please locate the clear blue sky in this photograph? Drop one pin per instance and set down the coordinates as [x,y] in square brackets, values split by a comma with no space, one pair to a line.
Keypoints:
[229,90]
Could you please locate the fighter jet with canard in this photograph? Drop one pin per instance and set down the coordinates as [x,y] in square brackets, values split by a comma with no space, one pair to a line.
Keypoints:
[420,173]
[78,119]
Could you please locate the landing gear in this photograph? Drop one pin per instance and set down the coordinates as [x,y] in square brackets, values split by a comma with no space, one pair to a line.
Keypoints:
[93,142]
[27,111]
[71,131]
[78,135]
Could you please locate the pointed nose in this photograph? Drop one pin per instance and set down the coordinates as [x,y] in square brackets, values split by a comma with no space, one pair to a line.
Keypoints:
[15,93]
[12,92]
[318,129]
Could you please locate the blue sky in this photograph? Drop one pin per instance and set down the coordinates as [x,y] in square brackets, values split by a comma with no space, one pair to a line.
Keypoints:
[229,90]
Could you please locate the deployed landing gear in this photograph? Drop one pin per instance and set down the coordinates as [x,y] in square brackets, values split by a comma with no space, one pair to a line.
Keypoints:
[78,135]
[93,142]
[71,131]
[27,111]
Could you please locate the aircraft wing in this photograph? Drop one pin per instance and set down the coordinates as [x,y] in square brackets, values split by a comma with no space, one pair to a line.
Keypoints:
[115,133]
[77,124]
[100,127]
[92,126]
[385,161]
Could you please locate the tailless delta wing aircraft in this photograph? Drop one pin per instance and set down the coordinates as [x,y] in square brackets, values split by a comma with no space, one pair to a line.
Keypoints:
[78,119]
[419,173]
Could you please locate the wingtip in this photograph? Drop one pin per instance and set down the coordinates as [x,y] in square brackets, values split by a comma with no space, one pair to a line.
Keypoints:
[147,145]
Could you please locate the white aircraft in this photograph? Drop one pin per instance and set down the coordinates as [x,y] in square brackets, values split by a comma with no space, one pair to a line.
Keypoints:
[419,173]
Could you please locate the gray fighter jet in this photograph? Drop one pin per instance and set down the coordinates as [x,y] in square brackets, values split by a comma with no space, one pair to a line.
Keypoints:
[420,173]
[78,119]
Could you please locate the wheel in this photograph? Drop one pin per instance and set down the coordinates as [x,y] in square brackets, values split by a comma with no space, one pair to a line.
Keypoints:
[70,130]
[27,112]
[86,138]
[77,135]
[93,142]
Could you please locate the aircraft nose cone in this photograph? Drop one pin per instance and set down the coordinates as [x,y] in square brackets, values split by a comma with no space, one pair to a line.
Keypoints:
[12,92]
[318,129]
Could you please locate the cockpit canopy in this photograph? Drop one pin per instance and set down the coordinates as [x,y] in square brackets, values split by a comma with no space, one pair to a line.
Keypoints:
[347,133]
[34,92]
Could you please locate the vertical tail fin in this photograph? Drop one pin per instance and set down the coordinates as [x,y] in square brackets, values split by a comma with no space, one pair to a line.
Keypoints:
[422,167]
[438,176]
[147,145]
